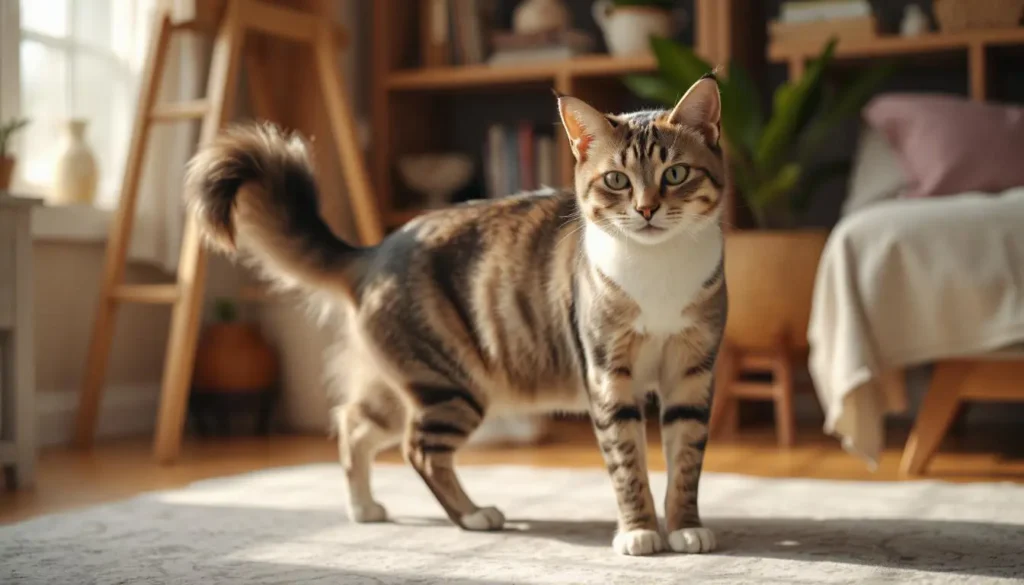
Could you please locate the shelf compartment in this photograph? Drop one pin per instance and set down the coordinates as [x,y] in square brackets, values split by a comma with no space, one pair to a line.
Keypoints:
[528,73]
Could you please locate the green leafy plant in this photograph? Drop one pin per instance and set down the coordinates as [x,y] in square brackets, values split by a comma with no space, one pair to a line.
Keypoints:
[8,129]
[770,157]
[225,310]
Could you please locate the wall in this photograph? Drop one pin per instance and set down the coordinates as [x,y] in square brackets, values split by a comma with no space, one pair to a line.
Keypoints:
[67,278]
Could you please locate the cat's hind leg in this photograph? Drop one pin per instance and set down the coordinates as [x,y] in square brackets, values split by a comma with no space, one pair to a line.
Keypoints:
[442,424]
[365,427]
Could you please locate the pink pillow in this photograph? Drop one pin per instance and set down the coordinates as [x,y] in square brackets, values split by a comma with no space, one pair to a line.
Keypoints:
[949,144]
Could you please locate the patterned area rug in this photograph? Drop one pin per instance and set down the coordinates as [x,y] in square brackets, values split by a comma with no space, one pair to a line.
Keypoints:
[289,526]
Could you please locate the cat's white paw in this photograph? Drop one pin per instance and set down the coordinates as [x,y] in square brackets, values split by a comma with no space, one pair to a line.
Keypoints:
[364,513]
[489,518]
[692,540]
[638,542]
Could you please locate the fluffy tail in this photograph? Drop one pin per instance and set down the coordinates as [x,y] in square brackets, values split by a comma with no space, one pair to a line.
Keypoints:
[253,190]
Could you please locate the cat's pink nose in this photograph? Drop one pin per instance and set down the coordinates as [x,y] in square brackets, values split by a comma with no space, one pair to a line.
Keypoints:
[648,211]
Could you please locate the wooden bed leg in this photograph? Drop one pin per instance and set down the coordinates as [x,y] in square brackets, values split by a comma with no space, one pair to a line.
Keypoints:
[937,411]
[724,407]
[785,418]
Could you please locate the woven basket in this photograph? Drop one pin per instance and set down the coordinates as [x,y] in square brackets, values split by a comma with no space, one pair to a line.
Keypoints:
[958,15]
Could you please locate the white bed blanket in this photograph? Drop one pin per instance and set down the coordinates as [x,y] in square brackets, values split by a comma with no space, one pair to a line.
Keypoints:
[908,282]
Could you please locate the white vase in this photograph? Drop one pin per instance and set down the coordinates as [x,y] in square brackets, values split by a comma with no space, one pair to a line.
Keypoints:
[628,29]
[538,16]
[74,174]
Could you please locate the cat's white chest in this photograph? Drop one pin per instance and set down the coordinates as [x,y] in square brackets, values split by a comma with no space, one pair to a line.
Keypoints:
[663,279]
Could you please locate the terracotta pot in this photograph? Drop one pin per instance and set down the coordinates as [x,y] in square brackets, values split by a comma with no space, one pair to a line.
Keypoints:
[6,172]
[770,277]
[234,357]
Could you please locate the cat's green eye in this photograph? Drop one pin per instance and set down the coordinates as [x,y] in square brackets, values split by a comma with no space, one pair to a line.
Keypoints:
[616,180]
[675,175]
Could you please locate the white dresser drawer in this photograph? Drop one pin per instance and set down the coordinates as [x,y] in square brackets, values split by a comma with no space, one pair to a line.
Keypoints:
[8,222]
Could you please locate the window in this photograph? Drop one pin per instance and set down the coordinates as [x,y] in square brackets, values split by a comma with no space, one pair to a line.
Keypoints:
[80,59]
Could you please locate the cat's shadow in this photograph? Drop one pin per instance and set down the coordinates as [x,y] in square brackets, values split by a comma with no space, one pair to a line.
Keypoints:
[944,546]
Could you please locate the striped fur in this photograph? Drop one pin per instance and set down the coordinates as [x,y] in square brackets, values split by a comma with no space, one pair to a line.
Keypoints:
[552,301]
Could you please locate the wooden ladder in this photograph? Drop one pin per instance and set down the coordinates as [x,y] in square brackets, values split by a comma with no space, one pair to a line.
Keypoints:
[186,294]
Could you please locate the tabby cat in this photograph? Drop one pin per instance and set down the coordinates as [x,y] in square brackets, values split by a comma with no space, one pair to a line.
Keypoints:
[551,301]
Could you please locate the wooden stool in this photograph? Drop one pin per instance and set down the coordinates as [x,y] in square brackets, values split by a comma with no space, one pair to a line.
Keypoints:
[730,388]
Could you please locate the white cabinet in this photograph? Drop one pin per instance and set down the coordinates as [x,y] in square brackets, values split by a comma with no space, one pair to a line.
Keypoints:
[17,366]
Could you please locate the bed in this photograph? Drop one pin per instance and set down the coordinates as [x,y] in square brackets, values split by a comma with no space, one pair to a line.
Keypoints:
[905,282]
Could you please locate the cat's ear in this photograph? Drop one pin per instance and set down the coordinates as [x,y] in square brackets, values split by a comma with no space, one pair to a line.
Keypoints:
[583,124]
[701,108]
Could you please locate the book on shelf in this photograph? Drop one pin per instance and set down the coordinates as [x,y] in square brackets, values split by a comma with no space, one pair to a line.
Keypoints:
[846,28]
[518,157]
[513,48]
[805,11]
[456,32]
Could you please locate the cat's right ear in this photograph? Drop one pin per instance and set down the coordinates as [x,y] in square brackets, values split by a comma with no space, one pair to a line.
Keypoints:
[583,124]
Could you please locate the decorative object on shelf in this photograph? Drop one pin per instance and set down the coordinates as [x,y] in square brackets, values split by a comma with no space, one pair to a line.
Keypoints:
[959,15]
[75,174]
[629,24]
[437,176]
[512,48]
[235,370]
[7,160]
[540,16]
[915,21]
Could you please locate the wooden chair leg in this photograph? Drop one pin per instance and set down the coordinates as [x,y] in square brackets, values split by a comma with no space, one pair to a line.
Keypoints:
[724,407]
[785,418]
[937,411]
[343,128]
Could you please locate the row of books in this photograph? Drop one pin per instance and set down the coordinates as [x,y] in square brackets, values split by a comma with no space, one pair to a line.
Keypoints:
[519,157]
[457,32]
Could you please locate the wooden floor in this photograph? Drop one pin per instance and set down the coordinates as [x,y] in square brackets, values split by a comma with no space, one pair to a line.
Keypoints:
[116,470]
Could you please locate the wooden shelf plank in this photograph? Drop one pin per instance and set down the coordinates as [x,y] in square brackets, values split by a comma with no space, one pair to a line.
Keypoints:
[896,45]
[542,72]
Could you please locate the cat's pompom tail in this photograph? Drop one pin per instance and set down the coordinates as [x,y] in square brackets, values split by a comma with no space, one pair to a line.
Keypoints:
[252,189]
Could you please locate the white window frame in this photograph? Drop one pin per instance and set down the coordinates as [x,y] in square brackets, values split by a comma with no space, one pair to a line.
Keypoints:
[69,46]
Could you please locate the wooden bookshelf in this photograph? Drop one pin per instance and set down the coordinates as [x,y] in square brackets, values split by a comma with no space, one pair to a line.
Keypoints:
[416,109]
[975,43]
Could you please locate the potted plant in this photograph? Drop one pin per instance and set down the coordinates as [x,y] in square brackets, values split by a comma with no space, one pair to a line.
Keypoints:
[233,356]
[771,160]
[628,25]
[7,130]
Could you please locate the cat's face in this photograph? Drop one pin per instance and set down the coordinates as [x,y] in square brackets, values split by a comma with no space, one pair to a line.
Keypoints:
[649,176]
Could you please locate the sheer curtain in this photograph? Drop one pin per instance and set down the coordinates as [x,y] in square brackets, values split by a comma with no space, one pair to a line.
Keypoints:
[85,59]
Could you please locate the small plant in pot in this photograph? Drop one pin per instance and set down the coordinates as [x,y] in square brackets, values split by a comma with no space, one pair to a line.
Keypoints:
[7,131]
[772,163]
[232,355]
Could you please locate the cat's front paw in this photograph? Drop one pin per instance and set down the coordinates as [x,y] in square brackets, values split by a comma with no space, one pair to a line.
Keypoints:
[489,518]
[365,513]
[638,542]
[692,540]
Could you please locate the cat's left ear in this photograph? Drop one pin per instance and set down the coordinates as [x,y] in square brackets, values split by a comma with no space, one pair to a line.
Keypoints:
[583,124]
[701,108]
